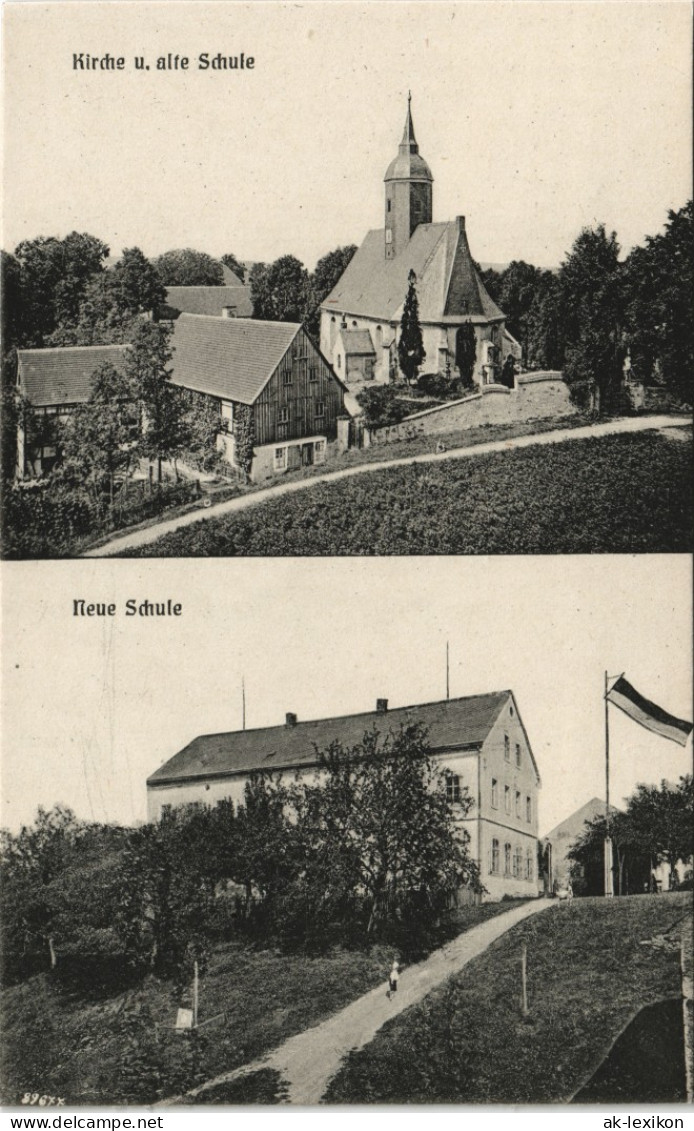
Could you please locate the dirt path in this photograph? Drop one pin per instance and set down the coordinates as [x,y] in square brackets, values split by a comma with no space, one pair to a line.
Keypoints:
[307,1062]
[144,537]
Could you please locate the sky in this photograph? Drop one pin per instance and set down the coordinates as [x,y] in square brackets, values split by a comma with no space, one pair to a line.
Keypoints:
[537,119]
[91,707]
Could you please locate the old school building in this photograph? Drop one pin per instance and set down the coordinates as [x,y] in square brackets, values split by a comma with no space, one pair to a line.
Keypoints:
[272,369]
[479,741]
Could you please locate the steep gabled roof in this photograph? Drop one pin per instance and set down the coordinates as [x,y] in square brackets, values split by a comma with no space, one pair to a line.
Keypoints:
[572,827]
[209,300]
[232,358]
[358,343]
[231,279]
[448,286]
[62,375]
[452,724]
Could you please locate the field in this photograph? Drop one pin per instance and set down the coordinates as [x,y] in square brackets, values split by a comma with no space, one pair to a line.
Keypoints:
[627,493]
[588,974]
[66,1037]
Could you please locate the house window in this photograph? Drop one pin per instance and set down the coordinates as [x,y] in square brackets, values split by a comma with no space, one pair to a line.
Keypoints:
[518,804]
[507,798]
[226,413]
[495,857]
[287,376]
[165,810]
[319,451]
[283,415]
[518,863]
[528,809]
[389,204]
[529,865]
[507,748]
[320,410]
[518,755]
[495,794]
[313,371]
[453,787]
[339,361]
[507,859]
[280,459]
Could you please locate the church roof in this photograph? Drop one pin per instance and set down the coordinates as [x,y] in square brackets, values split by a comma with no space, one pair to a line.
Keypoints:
[449,288]
[451,723]
[232,358]
[62,375]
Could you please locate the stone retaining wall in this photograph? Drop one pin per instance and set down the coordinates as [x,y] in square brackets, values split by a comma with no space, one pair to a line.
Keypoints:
[537,396]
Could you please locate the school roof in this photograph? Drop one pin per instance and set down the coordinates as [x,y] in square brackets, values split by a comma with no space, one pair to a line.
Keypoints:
[208,300]
[231,358]
[449,289]
[49,378]
[452,724]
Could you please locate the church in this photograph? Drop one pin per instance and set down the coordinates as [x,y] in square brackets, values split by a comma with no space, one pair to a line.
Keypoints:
[360,318]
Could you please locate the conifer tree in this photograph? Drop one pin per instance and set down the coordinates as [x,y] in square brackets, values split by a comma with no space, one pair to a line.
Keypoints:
[411,352]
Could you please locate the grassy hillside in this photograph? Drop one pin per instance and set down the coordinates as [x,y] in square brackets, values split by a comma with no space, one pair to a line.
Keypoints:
[120,1047]
[614,494]
[467,1042]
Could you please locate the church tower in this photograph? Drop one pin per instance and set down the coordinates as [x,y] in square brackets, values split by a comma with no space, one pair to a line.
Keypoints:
[408,191]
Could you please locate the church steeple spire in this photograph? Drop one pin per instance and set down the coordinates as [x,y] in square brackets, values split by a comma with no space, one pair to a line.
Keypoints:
[408,190]
[409,141]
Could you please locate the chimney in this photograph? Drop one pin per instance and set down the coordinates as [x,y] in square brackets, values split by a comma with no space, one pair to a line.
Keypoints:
[382,706]
[228,312]
[291,719]
[460,221]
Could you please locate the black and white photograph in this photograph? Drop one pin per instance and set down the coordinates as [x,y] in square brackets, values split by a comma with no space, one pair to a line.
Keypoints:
[354,279]
[353,852]
[346,581]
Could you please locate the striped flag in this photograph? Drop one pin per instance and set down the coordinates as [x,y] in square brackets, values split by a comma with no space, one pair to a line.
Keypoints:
[647,714]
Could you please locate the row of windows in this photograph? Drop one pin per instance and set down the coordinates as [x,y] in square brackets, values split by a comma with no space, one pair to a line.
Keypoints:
[300,369]
[507,801]
[281,458]
[507,751]
[514,864]
[284,412]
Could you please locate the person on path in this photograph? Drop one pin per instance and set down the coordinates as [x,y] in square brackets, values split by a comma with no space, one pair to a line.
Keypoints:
[393,978]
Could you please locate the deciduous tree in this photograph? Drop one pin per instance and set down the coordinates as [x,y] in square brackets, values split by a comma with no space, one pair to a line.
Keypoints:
[185,267]
[147,368]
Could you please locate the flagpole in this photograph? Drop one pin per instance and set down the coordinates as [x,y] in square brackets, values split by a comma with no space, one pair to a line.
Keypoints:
[609,879]
[448,685]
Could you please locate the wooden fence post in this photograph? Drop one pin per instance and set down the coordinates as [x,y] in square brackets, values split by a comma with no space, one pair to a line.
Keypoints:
[524,980]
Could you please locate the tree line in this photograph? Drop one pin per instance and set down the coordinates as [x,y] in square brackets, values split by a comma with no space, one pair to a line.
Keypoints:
[368,850]
[598,308]
[657,827]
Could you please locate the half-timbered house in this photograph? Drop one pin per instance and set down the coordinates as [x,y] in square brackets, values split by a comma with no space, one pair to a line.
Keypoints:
[270,374]
[271,368]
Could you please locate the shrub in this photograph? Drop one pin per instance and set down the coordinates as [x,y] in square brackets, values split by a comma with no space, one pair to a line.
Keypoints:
[382,405]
